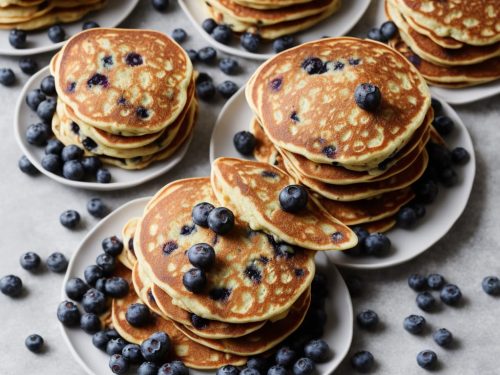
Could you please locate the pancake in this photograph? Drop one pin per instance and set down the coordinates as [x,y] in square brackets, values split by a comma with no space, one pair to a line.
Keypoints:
[127,257]
[251,190]
[380,226]
[139,88]
[264,150]
[263,339]
[242,286]
[21,3]
[316,115]
[443,41]
[270,4]
[474,22]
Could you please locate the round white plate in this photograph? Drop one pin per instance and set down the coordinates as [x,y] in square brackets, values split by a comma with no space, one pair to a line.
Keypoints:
[121,178]
[111,15]
[338,24]
[338,330]
[407,244]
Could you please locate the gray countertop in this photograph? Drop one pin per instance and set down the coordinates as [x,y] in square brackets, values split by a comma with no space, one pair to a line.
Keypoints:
[30,209]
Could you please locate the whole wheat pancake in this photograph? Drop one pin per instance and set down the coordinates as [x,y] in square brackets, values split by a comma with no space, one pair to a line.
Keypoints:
[139,88]
[127,256]
[263,339]
[315,115]
[380,226]
[474,22]
[251,190]
[251,280]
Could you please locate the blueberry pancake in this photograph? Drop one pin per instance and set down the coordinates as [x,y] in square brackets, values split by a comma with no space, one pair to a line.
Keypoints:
[270,4]
[264,150]
[127,256]
[380,226]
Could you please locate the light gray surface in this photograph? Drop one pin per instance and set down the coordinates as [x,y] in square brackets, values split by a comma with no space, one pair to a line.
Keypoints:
[30,208]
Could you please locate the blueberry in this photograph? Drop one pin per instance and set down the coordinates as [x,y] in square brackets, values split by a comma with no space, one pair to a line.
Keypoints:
[30,261]
[318,351]
[362,234]
[257,363]
[160,5]
[283,43]
[17,38]
[427,359]
[154,350]
[419,209]
[426,191]
[173,368]
[116,287]
[448,177]
[436,106]
[11,285]
[249,371]
[229,66]
[209,25]
[100,285]
[377,244]
[118,364]
[205,90]
[362,361]
[112,246]
[414,324]
[57,262]
[68,314]
[491,285]
[69,219]
[250,42]
[94,301]
[227,89]
[147,368]
[200,213]
[417,282]
[207,55]
[426,301]
[435,281]
[179,35]
[38,134]
[388,29]
[193,55]
[303,366]
[91,164]
[203,77]
[285,356]
[442,337]
[54,146]
[227,370]
[103,176]
[201,255]
[100,340]
[406,217]
[75,288]
[73,170]
[48,86]
[107,263]
[52,163]
[7,77]
[443,124]
[132,353]
[115,346]
[93,273]
[368,97]
[451,294]
[138,315]
[313,65]
[221,220]
[367,319]
[34,343]
[277,370]
[222,33]
[460,156]
[46,110]
[293,198]
[376,34]
[90,323]
[440,156]
[162,337]
[112,334]
[90,25]
[244,142]
[97,208]
[56,34]
[28,65]
[194,280]
[71,152]
[34,98]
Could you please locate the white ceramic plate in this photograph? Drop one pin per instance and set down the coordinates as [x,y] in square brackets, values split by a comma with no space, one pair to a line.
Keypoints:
[338,24]
[407,244]
[111,15]
[338,307]
[452,96]
[121,178]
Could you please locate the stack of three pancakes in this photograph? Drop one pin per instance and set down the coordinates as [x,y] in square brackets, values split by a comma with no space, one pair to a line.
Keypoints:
[126,96]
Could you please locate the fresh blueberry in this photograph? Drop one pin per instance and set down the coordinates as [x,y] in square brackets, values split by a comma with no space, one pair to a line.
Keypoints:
[173,368]
[194,280]
[207,55]
[52,163]
[359,249]
[115,346]
[113,334]
[90,25]
[222,33]
[97,208]
[205,90]
[251,42]
[48,86]
[68,314]
[11,285]
[257,363]
[46,110]
[419,209]
[313,65]
[229,66]
[112,246]
[100,340]
[73,170]
[201,255]
[107,263]
[367,319]
[388,29]
[28,65]
[376,34]
[193,55]
[57,262]
[162,337]
[7,77]
[221,220]
[442,337]
[30,261]
[414,324]
[147,368]
[448,177]
[440,156]
[368,97]
[362,361]
[203,77]
[38,134]
[427,359]
[317,350]
[377,244]
[417,282]
[93,273]
[209,25]
[56,34]
[34,98]
[138,315]
[179,35]
[227,89]
[249,371]
[293,198]
[227,370]
[285,356]
[91,164]
[244,142]
[54,146]
[94,301]
[451,294]
[17,38]
[200,213]
[132,353]
[283,43]
[116,287]
[100,285]
[277,370]
[406,217]
[90,323]
[160,5]
[436,106]
[443,124]
[103,176]
[303,366]
[75,288]
[435,281]
[460,156]
[426,301]
[153,350]
[34,343]
[71,152]
[118,364]
[491,285]
[69,219]
[426,191]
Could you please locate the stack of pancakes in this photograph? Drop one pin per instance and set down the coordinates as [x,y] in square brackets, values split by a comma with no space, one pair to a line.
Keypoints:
[126,96]
[37,14]
[258,290]
[360,163]
[452,43]
[271,18]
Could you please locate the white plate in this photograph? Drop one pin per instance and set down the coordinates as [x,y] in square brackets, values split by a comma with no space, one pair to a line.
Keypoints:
[452,96]
[121,178]
[111,15]
[338,330]
[338,24]
[407,244]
